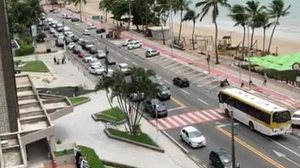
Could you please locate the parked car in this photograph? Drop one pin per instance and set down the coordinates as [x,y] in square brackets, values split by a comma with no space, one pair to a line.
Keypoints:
[52,30]
[68,17]
[101,54]
[60,42]
[81,41]
[90,26]
[99,31]
[95,63]
[76,49]
[96,70]
[66,33]
[221,159]
[60,29]
[71,46]
[181,82]
[93,50]
[111,61]
[68,40]
[192,136]
[75,19]
[89,58]
[296,118]
[87,45]
[81,54]
[86,32]
[124,68]
[75,38]
[134,45]
[151,53]
[155,108]
[125,43]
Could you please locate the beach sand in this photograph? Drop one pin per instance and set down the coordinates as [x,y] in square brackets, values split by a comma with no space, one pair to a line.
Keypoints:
[285,46]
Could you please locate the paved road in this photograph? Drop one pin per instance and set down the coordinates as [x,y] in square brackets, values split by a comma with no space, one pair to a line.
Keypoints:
[198,106]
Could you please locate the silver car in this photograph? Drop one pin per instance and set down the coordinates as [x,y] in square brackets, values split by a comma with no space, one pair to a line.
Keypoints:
[151,52]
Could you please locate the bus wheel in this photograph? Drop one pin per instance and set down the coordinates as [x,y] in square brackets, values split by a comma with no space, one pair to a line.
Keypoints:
[227,114]
[251,126]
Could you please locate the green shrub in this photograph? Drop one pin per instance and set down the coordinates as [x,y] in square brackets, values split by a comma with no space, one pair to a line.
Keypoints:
[25,48]
[91,157]
[41,37]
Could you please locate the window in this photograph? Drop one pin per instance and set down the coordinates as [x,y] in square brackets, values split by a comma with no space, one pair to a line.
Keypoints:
[281,117]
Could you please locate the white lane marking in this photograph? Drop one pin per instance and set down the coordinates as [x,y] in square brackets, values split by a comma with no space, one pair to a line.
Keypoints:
[209,115]
[177,108]
[168,82]
[185,92]
[216,114]
[165,123]
[202,116]
[134,63]
[198,80]
[126,58]
[288,149]
[180,120]
[224,125]
[187,119]
[170,120]
[202,101]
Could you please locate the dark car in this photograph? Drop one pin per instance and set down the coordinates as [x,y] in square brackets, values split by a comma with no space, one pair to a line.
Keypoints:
[68,40]
[74,19]
[99,31]
[93,50]
[88,45]
[75,38]
[76,49]
[220,159]
[60,43]
[81,41]
[181,82]
[111,61]
[60,29]
[155,108]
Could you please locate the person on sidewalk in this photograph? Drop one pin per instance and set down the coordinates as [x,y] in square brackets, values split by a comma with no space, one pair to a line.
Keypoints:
[265,79]
[54,60]
[63,60]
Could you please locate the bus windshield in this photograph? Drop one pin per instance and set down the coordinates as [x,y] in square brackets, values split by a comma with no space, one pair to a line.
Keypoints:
[281,117]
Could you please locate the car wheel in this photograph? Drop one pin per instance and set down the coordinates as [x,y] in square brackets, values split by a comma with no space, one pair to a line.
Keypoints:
[251,126]
[190,144]
[210,161]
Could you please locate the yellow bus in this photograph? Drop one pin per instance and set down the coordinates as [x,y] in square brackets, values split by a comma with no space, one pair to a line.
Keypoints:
[258,113]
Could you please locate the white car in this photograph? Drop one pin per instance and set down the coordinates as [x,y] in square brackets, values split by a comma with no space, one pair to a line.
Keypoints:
[124,67]
[151,52]
[95,63]
[192,136]
[68,32]
[89,58]
[134,45]
[96,70]
[101,54]
[86,32]
[71,45]
[66,28]
[296,118]
[91,26]
[125,43]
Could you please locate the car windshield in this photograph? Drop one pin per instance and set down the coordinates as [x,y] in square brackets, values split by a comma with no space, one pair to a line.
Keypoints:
[195,134]
[296,116]
[225,157]
[281,117]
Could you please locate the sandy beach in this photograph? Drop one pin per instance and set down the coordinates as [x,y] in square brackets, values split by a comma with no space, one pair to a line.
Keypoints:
[285,46]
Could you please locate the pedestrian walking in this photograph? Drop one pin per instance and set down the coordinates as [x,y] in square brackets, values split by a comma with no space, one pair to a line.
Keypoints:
[265,80]
[242,84]
[63,60]
[58,61]
[54,60]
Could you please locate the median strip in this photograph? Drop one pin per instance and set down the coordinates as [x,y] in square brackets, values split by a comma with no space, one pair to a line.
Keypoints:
[252,149]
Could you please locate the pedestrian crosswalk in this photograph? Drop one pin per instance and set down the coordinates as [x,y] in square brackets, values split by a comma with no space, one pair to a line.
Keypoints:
[187,119]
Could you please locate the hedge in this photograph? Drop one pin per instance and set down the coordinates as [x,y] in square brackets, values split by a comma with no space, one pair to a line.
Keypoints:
[25,49]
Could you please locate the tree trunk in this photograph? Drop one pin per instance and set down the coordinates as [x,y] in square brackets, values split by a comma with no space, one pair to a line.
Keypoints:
[163,34]
[216,43]
[243,43]
[252,35]
[193,42]
[180,27]
[105,15]
[271,38]
[264,40]
[137,27]
[80,11]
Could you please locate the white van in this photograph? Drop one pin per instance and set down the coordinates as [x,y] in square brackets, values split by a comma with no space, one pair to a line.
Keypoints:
[124,67]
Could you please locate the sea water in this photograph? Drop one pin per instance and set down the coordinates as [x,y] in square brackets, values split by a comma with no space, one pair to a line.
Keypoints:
[289,27]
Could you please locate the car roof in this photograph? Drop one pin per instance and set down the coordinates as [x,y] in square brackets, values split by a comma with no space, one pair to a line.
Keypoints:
[296,112]
[123,64]
[190,129]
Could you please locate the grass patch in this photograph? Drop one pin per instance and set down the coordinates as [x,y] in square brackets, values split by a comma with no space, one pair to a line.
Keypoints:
[91,157]
[142,138]
[114,115]
[64,152]
[35,66]
[77,100]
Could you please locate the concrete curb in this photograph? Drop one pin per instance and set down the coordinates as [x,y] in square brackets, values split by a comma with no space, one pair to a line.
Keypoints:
[115,164]
[107,121]
[174,141]
[133,142]
[84,101]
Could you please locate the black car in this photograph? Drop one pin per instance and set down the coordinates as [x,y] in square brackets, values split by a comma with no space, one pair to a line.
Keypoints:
[99,31]
[76,49]
[220,159]
[155,108]
[181,82]
[93,50]
[74,19]
[60,43]
[111,61]
[75,38]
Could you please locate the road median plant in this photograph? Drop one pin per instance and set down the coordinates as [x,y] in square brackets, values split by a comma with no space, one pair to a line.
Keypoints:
[114,115]
[78,100]
[25,49]
[91,157]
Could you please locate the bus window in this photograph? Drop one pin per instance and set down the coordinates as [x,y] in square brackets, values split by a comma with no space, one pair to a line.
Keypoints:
[281,117]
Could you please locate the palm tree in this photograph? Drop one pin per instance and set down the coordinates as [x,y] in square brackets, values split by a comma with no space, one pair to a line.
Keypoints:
[263,19]
[76,2]
[181,6]
[107,6]
[277,10]
[214,5]
[253,8]
[239,15]
[193,16]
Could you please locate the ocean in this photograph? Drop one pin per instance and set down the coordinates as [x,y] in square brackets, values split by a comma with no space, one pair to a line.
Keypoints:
[289,27]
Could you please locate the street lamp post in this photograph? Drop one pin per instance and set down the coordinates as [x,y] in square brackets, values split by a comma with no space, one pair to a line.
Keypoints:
[232,134]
